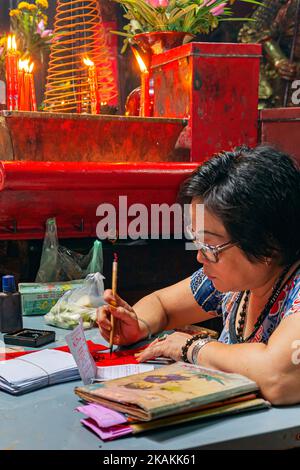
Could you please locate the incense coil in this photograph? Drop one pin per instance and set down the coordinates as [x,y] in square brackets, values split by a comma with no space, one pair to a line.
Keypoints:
[78,33]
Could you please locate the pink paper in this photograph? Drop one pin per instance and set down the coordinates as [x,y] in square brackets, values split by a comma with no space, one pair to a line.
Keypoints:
[107,434]
[104,417]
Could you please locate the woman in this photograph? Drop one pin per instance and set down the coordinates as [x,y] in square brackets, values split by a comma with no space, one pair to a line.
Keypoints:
[250,275]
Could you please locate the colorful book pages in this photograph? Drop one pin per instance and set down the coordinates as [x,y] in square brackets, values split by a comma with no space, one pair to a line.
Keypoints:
[107,434]
[109,425]
[104,417]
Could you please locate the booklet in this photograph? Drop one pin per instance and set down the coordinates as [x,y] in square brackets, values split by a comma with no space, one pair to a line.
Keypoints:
[172,389]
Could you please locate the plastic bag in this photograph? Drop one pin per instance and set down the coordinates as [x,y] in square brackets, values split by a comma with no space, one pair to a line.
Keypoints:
[61,264]
[78,303]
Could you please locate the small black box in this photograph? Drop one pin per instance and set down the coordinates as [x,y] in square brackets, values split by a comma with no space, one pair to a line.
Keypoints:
[29,337]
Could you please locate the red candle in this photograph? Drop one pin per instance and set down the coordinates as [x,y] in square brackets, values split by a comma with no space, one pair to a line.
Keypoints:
[27,106]
[11,69]
[145,96]
[145,85]
[21,71]
[93,85]
[33,105]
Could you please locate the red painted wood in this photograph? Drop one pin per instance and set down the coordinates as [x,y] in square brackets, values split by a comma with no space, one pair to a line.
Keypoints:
[281,127]
[216,85]
[31,192]
[87,138]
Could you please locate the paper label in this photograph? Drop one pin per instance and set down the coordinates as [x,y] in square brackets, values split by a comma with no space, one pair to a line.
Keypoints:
[80,351]
[115,372]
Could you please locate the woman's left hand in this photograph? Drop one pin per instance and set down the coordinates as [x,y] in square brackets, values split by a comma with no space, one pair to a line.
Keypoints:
[170,346]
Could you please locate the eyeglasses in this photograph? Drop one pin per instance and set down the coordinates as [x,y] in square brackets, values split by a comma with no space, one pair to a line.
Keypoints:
[210,252]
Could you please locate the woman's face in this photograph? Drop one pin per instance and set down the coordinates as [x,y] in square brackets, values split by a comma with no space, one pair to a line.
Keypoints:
[233,271]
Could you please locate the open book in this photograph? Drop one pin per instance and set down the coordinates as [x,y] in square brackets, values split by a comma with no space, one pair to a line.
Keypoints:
[173,389]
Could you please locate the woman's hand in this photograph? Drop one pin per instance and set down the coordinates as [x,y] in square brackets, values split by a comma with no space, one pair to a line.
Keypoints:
[127,328]
[171,347]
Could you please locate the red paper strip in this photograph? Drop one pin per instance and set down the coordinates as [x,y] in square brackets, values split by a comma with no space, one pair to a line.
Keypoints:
[98,352]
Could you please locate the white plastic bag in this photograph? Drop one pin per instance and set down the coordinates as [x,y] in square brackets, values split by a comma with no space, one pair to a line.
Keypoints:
[78,303]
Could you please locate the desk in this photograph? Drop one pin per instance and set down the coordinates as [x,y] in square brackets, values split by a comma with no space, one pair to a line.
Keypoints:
[46,419]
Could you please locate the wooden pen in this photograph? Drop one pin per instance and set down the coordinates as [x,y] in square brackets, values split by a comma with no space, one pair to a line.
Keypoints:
[113,303]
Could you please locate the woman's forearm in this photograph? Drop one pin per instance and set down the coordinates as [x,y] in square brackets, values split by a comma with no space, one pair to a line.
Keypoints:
[150,309]
[251,360]
[273,366]
[171,307]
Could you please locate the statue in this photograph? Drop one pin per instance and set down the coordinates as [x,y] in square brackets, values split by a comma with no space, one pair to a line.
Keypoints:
[276,28]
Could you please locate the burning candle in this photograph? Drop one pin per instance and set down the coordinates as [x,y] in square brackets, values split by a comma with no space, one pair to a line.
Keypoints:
[27,106]
[145,85]
[21,71]
[33,106]
[11,69]
[93,85]
[27,96]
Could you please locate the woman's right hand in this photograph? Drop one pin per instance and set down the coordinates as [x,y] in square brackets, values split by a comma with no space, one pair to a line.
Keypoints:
[127,328]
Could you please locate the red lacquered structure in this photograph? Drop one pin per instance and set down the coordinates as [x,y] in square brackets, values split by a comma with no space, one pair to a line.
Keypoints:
[65,166]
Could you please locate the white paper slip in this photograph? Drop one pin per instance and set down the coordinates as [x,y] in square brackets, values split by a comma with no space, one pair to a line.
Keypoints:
[80,351]
[115,372]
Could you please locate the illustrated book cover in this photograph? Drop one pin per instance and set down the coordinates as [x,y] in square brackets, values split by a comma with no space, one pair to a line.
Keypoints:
[169,390]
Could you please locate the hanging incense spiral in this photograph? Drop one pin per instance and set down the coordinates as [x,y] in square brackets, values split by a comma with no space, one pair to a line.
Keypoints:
[78,33]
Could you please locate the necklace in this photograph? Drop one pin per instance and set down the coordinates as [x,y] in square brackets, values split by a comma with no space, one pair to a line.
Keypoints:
[241,323]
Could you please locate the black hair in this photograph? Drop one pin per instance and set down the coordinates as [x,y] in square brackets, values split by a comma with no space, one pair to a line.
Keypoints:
[256,194]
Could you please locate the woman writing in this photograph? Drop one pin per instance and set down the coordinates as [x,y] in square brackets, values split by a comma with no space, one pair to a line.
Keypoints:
[250,252]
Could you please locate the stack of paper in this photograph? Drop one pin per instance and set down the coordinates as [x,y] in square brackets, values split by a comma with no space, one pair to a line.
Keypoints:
[37,370]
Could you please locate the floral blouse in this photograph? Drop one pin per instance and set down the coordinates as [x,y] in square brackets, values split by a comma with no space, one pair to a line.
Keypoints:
[225,304]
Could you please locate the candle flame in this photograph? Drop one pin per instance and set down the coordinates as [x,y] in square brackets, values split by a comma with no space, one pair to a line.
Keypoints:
[88,62]
[14,43]
[24,65]
[140,61]
[11,43]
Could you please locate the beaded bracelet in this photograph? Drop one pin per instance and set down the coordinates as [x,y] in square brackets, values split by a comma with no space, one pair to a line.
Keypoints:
[188,343]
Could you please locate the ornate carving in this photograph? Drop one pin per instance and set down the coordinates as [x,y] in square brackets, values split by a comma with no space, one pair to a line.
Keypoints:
[274,28]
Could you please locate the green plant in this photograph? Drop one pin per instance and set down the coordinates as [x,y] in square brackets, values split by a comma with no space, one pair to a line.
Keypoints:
[28,23]
[191,16]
